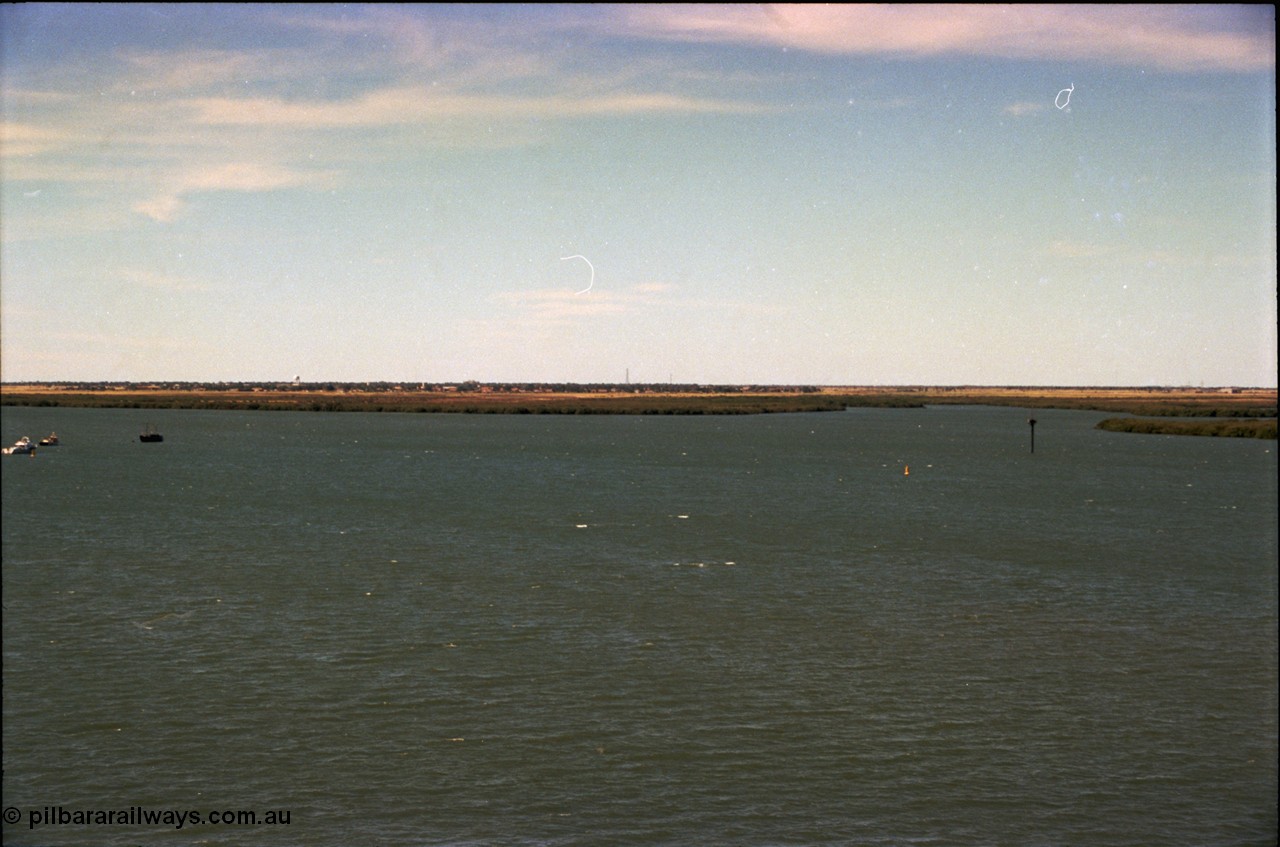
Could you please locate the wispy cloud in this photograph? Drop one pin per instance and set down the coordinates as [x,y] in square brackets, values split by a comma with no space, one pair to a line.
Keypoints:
[653,287]
[25,139]
[555,306]
[410,39]
[250,176]
[198,70]
[233,176]
[1023,108]
[136,113]
[162,209]
[1166,37]
[1064,249]
[161,281]
[412,105]
[535,311]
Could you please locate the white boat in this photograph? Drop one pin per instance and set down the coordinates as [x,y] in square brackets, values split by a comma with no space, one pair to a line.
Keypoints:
[22,445]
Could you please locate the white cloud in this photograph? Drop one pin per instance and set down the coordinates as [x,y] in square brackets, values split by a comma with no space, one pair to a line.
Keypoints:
[250,176]
[416,105]
[1165,37]
[232,176]
[163,209]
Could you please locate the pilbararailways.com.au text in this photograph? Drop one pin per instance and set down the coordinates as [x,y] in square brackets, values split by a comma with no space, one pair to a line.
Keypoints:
[142,816]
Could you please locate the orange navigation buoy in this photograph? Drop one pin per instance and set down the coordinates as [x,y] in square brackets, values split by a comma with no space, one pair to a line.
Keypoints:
[906,470]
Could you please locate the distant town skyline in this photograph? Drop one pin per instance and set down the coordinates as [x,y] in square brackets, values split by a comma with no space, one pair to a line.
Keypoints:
[749,194]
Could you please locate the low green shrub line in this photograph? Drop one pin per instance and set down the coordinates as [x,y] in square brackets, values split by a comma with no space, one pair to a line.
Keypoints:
[1217,428]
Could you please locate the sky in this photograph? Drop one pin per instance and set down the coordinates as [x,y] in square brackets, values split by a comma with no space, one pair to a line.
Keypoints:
[754,194]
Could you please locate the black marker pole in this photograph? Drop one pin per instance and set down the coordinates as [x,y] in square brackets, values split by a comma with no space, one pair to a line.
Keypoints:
[1032,421]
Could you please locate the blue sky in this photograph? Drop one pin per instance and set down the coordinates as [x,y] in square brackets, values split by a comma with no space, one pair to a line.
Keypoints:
[764,194]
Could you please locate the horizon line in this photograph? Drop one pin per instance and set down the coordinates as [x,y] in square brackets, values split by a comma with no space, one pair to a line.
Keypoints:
[406,384]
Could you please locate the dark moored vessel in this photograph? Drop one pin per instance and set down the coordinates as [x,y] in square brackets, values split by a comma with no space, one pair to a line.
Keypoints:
[150,435]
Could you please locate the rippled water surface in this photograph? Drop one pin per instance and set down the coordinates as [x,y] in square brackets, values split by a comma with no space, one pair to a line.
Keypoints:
[449,630]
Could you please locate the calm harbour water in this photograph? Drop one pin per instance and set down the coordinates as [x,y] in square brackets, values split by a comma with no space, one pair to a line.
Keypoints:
[467,630]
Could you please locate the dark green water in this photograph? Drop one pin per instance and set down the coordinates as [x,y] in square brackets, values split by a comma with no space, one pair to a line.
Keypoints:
[448,630]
